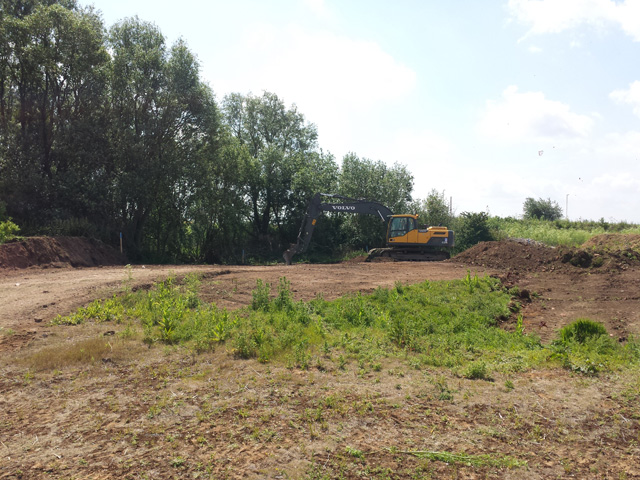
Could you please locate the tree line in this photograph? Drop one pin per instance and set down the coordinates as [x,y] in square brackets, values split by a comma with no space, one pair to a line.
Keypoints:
[105,131]
[110,131]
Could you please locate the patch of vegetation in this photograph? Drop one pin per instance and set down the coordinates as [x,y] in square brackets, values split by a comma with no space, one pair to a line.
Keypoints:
[83,352]
[558,232]
[585,346]
[8,229]
[452,324]
[470,460]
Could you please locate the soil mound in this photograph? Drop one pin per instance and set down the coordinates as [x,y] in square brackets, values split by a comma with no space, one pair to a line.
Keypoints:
[510,255]
[613,242]
[609,251]
[602,253]
[58,252]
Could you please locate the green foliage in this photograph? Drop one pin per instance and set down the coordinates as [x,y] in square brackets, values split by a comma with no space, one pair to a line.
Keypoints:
[476,371]
[556,233]
[541,209]
[581,331]
[110,310]
[260,295]
[452,324]
[470,229]
[475,460]
[8,229]
[434,210]
[585,346]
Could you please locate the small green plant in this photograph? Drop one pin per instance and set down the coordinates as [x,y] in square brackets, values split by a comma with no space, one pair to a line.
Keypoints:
[260,296]
[284,301]
[585,346]
[354,452]
[519,325]
[477,371]
[473,460]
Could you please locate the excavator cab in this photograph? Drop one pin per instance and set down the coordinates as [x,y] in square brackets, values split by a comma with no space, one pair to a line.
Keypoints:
[400,225]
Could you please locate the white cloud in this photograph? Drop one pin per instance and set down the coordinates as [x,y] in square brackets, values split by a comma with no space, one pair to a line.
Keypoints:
[339,83]
[318,7]
[322,65]
[530,117]
[630,96]
[553,16]
[427,155]
[620,182]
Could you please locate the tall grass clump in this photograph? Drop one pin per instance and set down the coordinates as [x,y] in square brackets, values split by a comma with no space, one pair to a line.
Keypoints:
[585,346]
[558,232]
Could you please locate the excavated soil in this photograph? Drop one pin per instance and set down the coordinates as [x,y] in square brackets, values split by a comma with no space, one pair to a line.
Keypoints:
[137,412]
[54,252]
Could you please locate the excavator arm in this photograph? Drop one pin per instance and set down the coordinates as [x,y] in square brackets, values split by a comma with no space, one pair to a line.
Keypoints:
[344,205]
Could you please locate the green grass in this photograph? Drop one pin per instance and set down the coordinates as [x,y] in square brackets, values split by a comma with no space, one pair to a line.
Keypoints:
[557,233]
[452,324]
[471,460]
[585,346]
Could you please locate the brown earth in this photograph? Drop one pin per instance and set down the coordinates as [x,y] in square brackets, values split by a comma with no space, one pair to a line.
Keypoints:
[55,252]
[133,412]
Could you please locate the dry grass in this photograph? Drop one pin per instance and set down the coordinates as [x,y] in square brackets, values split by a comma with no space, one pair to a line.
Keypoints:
[87,351]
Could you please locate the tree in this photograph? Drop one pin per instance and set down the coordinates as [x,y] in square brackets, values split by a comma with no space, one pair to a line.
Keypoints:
[542,209]
[373,180]
[164,129]
[434,210]
[472,228]
[281,147]
[53,65]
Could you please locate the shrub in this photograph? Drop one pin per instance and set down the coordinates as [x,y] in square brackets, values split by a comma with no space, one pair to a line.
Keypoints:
[581,330]
[8,229]
[472,228]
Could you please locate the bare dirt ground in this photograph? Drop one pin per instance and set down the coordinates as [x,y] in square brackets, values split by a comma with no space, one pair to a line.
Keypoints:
[167,413]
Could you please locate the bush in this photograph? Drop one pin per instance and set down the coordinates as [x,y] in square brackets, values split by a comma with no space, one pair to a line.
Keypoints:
[8,229]
[472,228]
[581,330]
[584,346]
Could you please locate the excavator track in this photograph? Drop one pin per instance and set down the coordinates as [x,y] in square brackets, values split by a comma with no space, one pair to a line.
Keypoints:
[403,255]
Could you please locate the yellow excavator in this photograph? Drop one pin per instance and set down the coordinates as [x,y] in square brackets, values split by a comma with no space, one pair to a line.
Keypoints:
[405,240]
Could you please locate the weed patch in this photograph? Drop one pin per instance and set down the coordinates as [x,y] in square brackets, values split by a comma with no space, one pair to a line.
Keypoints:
[452,324]
[585,346]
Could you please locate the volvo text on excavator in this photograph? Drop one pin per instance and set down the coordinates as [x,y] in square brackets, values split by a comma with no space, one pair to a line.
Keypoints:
[405,240]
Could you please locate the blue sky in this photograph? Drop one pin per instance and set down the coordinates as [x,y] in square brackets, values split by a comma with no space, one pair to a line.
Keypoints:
[491,102]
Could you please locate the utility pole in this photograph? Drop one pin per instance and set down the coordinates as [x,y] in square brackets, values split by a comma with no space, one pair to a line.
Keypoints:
[566,209]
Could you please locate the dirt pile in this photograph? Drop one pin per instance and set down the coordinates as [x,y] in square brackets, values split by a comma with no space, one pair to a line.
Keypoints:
[58,252]
[510,255]
[608,252]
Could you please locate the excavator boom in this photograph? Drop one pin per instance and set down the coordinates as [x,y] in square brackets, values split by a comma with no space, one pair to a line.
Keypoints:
[317,206]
